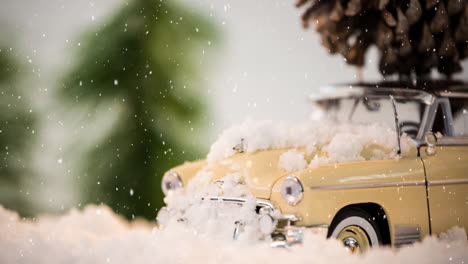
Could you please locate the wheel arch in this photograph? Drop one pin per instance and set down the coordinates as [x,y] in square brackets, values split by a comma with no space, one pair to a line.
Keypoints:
[377,211]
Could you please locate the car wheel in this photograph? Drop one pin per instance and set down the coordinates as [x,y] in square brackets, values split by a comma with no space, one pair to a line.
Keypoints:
[357,229]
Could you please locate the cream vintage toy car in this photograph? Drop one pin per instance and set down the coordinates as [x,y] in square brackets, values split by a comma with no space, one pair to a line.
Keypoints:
[371,202]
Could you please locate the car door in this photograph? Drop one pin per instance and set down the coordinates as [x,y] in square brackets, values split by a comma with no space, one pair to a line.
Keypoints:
[446,166]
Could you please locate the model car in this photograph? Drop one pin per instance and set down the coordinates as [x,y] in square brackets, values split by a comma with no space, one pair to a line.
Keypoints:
[397,201]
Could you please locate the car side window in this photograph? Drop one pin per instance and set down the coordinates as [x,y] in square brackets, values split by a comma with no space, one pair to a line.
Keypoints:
[459,107]
[439,124]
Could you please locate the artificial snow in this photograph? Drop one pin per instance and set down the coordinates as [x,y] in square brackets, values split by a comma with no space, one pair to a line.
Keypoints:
[97,235]
[292,160]
[213,218]
[196,231]
[327,141]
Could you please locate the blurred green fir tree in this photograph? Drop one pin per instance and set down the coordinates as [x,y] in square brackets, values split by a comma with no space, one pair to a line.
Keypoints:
[16,136]
[145,60]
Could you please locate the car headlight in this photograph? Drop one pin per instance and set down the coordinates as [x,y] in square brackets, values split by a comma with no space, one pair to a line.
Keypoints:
[292,190]
[170,182]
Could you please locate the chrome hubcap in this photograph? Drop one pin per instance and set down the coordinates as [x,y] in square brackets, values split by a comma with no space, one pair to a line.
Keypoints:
[354,238]
[351,244]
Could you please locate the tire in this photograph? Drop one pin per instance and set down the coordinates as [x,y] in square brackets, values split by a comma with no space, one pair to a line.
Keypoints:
[356,228]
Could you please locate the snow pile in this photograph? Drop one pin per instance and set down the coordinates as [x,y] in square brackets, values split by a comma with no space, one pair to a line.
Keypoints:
[196,231]
[216,219]
[96,235]
[292,160]
[327,141]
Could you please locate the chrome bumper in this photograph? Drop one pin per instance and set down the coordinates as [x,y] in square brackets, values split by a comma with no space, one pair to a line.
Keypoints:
[286,233]
[293,235]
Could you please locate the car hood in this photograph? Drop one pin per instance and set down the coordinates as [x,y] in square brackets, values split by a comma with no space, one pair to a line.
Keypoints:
[259,169]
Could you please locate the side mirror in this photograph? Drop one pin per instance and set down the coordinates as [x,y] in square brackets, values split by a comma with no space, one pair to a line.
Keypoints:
[431,139]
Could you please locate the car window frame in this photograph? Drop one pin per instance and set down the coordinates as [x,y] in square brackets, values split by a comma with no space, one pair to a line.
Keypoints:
[430,112]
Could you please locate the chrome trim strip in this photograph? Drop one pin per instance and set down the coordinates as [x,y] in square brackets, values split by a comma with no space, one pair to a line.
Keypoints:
[448,182]
[259,202]
[452,141]
[449,141]
[262,202]
[367,185]
[406,234]
[318,226]
[397,125]
[288,217]
[358,91]
[453,94]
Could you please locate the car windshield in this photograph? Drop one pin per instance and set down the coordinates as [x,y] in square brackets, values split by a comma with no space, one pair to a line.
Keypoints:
[370,110]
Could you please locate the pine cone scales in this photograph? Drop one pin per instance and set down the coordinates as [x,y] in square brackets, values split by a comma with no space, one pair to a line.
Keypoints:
[413,36]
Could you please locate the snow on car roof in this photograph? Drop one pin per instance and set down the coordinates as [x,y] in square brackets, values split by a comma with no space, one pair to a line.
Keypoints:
[326,135]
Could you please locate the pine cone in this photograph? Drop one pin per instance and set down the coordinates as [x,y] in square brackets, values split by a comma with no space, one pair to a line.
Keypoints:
[413,36]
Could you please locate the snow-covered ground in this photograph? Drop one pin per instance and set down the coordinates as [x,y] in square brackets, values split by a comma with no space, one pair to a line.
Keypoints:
[194,230]
[97,235]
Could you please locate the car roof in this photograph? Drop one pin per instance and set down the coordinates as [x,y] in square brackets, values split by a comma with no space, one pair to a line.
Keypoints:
[422,91]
